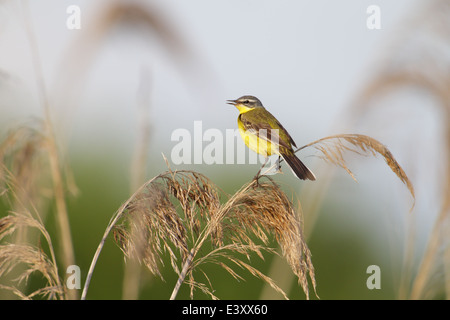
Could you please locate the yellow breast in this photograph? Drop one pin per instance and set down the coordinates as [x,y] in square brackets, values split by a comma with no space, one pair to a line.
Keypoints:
[252,141]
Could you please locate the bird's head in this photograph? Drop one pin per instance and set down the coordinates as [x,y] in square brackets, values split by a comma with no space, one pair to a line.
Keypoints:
[246,103]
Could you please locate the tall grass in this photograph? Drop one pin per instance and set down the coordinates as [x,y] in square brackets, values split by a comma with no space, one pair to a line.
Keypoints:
[424,68]
[33,142]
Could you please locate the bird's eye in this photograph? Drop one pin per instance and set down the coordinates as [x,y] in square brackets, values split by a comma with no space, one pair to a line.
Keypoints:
[246,102]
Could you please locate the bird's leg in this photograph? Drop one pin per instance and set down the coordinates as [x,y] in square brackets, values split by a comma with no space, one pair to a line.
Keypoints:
[259,171]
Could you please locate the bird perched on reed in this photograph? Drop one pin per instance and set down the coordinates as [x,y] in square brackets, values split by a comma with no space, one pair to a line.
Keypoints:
[265,135]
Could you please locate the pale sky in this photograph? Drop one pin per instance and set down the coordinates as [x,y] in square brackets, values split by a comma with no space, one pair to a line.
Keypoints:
[305,60]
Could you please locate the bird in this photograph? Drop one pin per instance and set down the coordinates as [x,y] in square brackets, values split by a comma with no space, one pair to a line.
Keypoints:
[265,135]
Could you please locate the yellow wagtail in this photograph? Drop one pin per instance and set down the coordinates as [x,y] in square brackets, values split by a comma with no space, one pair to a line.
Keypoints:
[263,134]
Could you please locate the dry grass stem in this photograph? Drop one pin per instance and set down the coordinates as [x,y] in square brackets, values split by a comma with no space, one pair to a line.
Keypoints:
[54,158]
[332,150]
[23,166]
[132,273]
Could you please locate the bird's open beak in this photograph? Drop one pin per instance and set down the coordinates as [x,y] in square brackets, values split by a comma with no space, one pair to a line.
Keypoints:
[232,102]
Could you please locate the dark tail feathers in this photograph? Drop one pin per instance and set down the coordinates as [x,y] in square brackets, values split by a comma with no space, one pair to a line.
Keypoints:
[299,169]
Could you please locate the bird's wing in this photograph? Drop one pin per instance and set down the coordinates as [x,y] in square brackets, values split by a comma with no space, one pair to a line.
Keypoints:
[264,131]
[291,141]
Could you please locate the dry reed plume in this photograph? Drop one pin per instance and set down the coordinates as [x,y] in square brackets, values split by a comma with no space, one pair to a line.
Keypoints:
[20,257]
[332,150]
[179,212]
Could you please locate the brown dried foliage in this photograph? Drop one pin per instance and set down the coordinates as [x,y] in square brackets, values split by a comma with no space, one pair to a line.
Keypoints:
[332,150]
[26,189]
[27,259]
[179,212]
